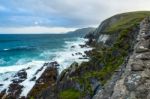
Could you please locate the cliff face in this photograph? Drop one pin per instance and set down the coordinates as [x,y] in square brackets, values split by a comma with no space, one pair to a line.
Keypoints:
[118,67]
[134,80]
[81,32]
[108,31]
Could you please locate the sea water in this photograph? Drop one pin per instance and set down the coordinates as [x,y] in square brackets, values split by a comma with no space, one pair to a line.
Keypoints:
[18,51]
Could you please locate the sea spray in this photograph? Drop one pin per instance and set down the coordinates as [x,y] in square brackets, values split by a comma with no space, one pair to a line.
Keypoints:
[64,54]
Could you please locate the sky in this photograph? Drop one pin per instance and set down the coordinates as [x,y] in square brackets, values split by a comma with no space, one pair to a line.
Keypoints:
[59,16]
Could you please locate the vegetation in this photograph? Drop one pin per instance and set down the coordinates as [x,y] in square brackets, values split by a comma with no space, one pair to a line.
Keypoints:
[69,94]
[104,61]
[127,20]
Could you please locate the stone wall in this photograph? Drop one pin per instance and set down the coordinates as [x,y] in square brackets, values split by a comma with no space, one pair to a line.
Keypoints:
[134,82]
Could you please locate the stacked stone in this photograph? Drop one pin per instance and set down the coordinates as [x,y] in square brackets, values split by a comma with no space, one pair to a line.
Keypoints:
[138,81]
[135,81]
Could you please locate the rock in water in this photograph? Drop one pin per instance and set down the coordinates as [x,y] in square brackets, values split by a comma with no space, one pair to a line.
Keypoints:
[48,78]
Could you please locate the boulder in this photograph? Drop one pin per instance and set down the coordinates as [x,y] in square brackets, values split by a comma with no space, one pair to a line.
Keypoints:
[143,46]
[137,66]
[20,76]
[83,58]
[82,46]
[147,64]
[144,74]
[14,90]
[132,82]
[2,93]
[33,79]
[141,92]
[147,36]
[143,56]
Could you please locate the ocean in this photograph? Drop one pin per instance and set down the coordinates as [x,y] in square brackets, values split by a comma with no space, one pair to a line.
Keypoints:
[19,51]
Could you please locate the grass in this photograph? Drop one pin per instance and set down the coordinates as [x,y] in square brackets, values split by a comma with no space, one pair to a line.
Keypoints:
[69,94]
[127,20]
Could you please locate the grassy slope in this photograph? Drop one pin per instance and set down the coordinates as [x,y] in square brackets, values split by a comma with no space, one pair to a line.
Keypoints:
[105,56]
[127,20]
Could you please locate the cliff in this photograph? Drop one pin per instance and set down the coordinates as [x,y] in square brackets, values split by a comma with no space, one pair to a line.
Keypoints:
[113,72]
[133,78]
[118,67]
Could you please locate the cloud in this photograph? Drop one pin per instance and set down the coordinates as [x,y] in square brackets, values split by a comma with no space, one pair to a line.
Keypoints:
[64,13]
[35,30]
[82,11]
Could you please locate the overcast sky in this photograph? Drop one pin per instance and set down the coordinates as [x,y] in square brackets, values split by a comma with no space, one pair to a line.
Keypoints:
[54,16]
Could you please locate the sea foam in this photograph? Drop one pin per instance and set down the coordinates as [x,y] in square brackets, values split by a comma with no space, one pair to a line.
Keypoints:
[65,57]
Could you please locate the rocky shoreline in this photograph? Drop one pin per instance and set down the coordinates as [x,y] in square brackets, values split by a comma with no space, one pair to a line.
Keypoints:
[118,66]
[48,78]
[89,79]
[15,88]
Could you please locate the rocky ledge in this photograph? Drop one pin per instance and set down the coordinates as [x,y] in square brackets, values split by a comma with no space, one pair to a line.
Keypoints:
[15,88]
[47,78]
[134,79]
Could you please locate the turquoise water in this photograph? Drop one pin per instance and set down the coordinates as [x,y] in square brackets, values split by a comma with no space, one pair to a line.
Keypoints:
[19,52]
[19,49]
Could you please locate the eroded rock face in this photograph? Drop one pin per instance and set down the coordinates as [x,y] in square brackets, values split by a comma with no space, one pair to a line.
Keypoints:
[15,88]
[46,80]
[20,76]
[48,77]
[134,83]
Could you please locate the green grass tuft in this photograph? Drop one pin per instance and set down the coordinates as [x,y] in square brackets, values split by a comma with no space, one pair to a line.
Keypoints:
[69,94]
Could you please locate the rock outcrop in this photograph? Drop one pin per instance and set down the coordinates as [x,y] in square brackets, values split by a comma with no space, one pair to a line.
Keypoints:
[134,81]
[15,88]
[48,78]
[118,67]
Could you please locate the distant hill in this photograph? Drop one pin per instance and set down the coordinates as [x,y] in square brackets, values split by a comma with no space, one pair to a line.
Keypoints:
[81,32]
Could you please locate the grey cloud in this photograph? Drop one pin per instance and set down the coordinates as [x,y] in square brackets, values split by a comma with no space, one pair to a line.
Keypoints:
[77,13]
